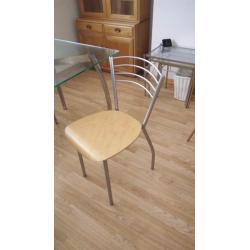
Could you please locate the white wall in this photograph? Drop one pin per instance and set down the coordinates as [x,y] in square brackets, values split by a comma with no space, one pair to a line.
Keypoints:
[65,14]
[174,19]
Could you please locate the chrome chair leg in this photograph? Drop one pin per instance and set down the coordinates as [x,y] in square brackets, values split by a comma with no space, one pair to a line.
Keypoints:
[191,135]
[106,170]
[55,119]
[82,165]
[151,147]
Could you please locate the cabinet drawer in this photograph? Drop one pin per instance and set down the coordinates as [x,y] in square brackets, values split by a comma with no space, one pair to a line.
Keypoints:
[97,27]
[118,30]
[90,37]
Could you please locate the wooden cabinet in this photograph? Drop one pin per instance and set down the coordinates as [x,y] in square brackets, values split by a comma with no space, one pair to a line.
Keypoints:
[91,37]
[90,33]
[124,44]
[118,30]
[135,10]
[122,9]
[117,24]
[90,26]
[93,8]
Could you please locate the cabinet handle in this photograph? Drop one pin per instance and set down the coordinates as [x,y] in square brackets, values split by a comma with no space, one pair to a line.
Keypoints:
[117,30]
[89,27]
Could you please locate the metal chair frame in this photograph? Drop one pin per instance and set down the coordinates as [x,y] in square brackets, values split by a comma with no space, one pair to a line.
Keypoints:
[151,87]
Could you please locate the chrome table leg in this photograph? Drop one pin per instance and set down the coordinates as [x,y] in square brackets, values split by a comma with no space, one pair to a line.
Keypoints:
[167,76]
[103,81]
[159,68]
[190,89]
[59,90]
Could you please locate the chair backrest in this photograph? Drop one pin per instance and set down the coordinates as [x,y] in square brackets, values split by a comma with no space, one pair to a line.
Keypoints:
[151,83]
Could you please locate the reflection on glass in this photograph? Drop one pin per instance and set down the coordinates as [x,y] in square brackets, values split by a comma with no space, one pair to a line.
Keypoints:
[177,54]
[93,5]
[71,58]
[122,7]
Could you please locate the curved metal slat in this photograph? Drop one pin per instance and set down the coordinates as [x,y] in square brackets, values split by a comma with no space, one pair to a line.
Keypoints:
[157,86]
[133,74]
[137,66]
[136,83]
[140,58]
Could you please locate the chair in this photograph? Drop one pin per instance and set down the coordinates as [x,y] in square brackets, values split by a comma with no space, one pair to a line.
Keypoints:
[191,135]
[102,135]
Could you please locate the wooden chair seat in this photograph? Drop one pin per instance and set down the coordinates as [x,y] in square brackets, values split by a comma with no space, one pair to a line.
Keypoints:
[102,135]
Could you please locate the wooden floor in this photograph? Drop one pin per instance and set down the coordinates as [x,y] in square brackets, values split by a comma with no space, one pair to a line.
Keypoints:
[153,209]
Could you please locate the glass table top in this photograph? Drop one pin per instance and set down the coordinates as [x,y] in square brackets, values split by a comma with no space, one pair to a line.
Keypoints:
[173,54]
[71,59]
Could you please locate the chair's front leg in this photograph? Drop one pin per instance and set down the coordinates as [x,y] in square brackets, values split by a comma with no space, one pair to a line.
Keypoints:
[82,164]
[106,170]
[151,147]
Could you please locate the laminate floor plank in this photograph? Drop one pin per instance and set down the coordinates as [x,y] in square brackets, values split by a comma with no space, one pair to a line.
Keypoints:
[152,209]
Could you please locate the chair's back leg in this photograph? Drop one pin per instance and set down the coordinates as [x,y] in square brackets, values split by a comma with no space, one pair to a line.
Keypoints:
[82,165]
[106,170]
[190,136]
[151,147]
[55,119]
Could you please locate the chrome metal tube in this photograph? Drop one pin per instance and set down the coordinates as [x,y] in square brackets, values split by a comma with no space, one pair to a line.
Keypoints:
[82,164]
[151,147]
[106,170]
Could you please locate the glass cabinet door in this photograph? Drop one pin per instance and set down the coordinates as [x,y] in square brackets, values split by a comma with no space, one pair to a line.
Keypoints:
[123,9]
[92,8]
